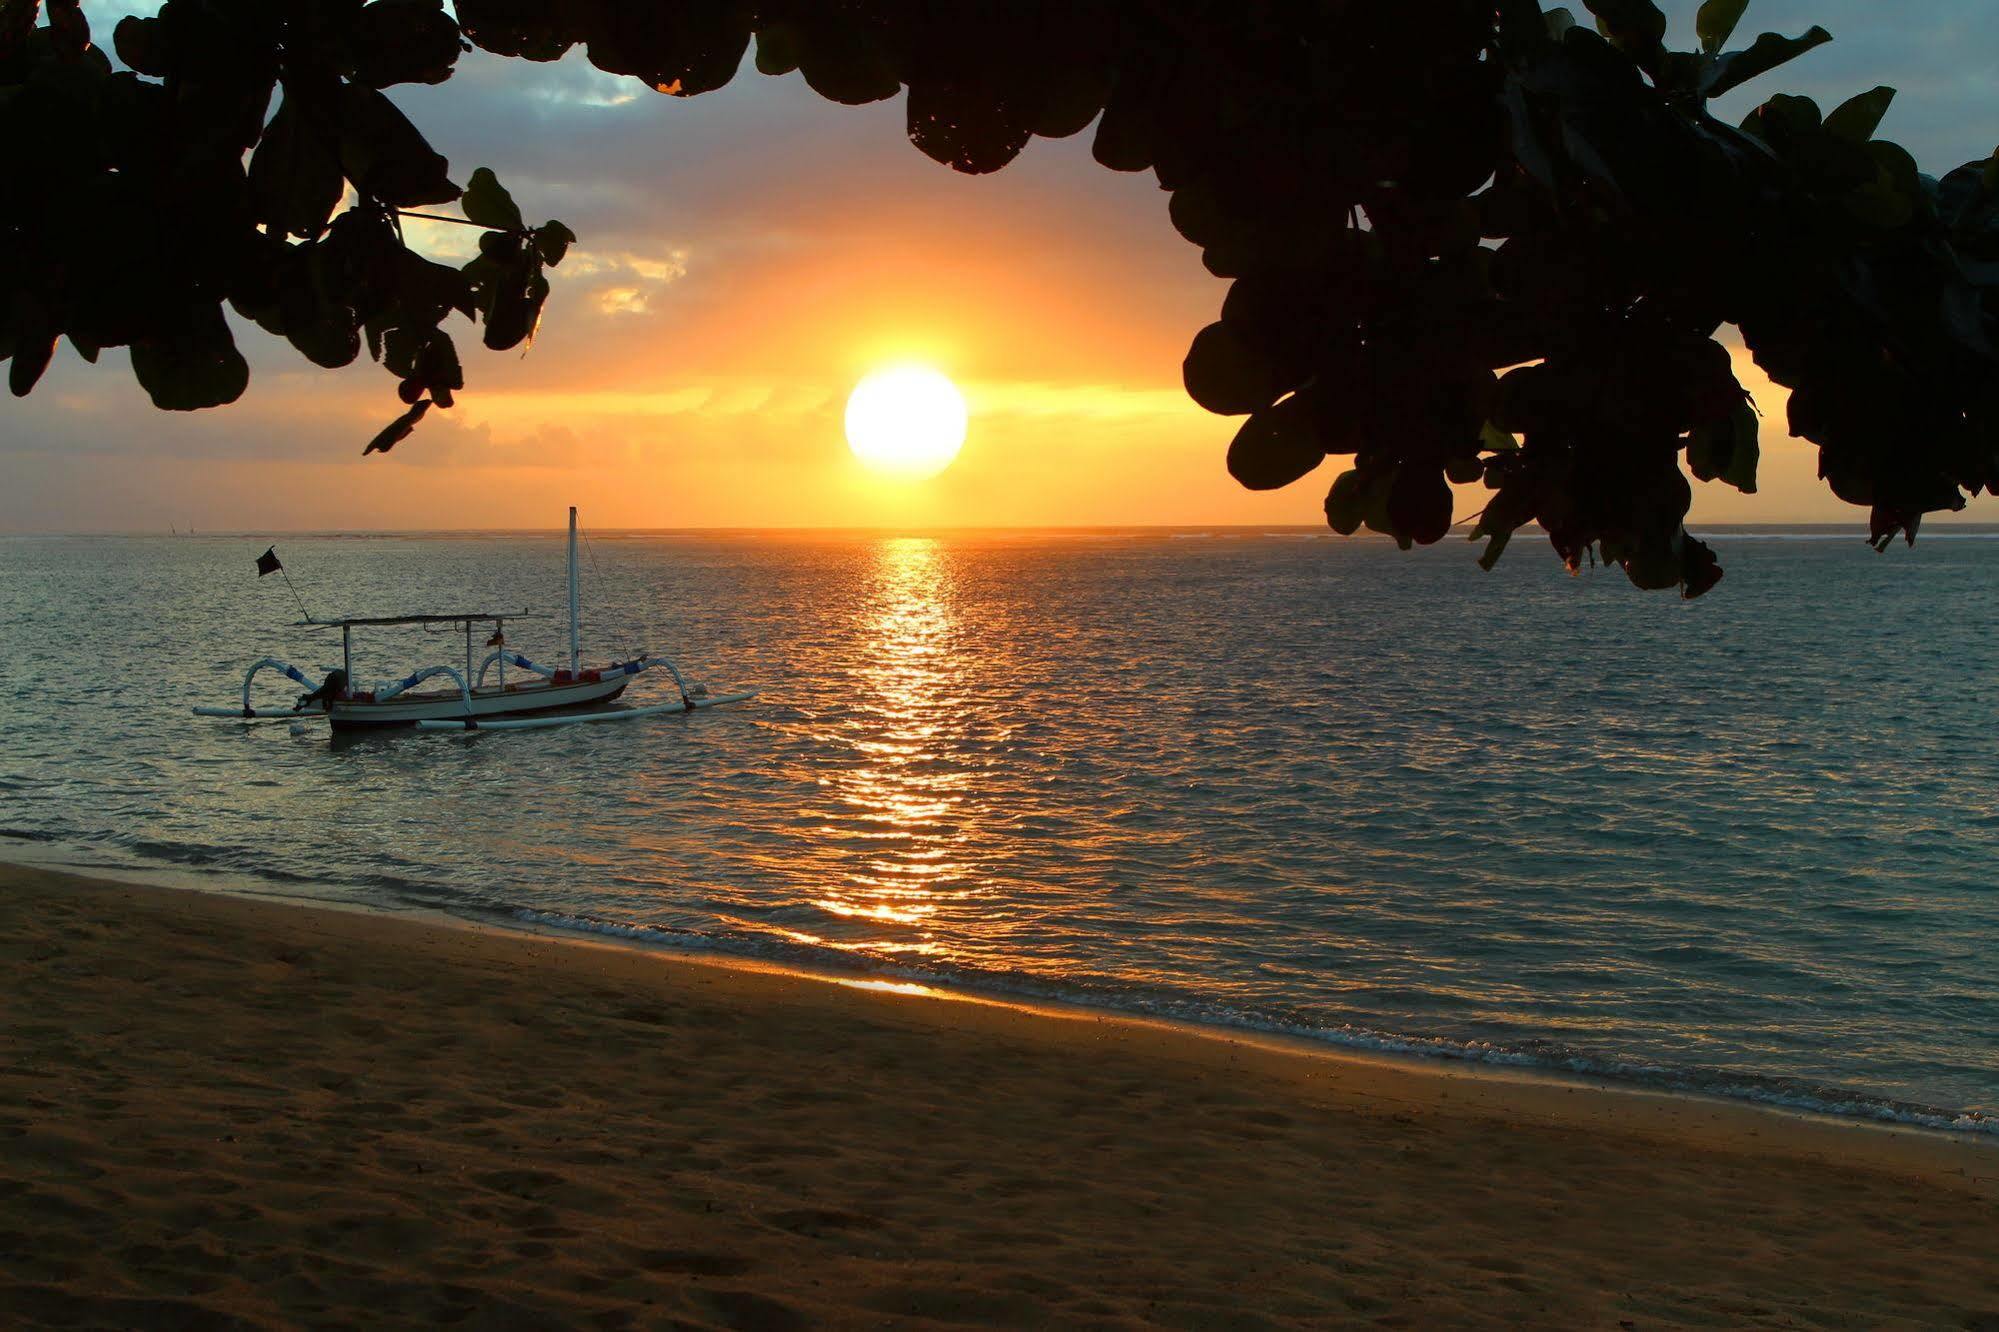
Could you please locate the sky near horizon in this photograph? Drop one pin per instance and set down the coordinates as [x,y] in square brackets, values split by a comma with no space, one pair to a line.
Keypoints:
[746,255]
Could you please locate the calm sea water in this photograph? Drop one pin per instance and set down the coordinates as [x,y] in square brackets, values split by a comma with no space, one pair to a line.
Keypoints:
[1745,844]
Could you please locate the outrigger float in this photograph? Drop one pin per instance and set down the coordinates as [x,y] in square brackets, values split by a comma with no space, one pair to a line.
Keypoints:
[546,698]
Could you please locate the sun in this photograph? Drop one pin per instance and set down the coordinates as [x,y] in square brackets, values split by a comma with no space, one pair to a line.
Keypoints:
[906,421]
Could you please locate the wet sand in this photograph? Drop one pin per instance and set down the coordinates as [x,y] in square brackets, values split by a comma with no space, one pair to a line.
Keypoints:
[217,1111]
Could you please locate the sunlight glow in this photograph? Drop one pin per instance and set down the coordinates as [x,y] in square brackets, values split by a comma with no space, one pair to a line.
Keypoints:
[907,421]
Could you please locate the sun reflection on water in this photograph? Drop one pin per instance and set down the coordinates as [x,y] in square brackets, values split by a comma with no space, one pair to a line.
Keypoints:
[900,806]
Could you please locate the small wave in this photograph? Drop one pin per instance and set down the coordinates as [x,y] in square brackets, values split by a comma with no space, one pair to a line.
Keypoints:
[1783,1093]
[251,861]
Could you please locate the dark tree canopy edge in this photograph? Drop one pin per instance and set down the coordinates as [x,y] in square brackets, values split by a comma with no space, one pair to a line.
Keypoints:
[1470,240]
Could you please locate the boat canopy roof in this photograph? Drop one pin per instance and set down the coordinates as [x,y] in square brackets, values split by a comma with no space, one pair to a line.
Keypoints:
[455,617]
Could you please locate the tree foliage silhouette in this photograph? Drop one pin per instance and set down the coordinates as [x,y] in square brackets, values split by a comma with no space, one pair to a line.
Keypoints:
[1470,240]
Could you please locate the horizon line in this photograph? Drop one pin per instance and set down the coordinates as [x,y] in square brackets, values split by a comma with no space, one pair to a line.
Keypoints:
[1838,525]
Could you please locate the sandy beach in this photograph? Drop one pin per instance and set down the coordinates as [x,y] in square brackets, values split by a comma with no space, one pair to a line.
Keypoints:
[220,1111]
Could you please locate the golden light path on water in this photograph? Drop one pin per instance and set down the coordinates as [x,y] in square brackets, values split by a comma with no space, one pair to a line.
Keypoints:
[898,796]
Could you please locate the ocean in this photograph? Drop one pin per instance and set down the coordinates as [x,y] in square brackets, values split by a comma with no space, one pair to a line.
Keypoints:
[1282,781]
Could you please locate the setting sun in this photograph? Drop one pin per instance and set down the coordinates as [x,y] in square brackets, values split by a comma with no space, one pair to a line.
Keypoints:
[907,421]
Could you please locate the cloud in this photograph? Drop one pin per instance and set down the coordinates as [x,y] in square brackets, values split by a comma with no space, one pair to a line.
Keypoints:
[621,300]
[629,297]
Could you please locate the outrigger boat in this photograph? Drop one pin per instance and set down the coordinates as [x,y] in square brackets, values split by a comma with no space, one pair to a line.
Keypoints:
[545,698]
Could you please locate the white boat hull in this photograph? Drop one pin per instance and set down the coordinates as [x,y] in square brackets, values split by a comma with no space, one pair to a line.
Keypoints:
[514,700]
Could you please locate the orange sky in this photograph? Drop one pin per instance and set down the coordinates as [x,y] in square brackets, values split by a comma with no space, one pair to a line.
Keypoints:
[744,258]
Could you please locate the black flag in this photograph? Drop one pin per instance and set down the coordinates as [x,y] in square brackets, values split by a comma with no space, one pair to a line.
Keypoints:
[267,563]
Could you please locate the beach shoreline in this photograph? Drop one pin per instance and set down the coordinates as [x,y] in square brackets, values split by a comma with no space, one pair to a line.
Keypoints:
[221,1107]
[1421,1054]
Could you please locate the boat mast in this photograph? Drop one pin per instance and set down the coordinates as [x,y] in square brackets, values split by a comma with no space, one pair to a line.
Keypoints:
[575,657]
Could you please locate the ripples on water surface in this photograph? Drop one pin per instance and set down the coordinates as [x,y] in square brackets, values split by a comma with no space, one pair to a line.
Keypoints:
[1744,843]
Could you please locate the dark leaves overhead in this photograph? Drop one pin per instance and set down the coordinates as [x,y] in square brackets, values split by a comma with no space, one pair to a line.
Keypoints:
[295,174]
[102,150]
[843,52]
[530,29]
[403,41]
[1470,244]
[192,366]
[682,49]
[1276,446]
[384,155]
[1768,51]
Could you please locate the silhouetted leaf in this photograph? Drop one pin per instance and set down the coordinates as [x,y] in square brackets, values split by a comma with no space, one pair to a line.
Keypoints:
[1463,469]
[1856,119]
[1727,450]
[400,347]
[680,49]
[438,370]
[1764,54]
[973,131]
[385,156]
[403,41]
[295,181]
[398,430]
[1225,375]
[1715,22]
[846,62]
[1419,505]
[193,365]
[325,329]
[1635,27]
[552,241]
[141,44]
[31,358]
[1744,457]
[1651,563]
[1699,570]
[1891,198]
[1127,132]
[513,307]
[777,46]
[1275,447]
[1346,502]
[530,29]
[1073,98]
